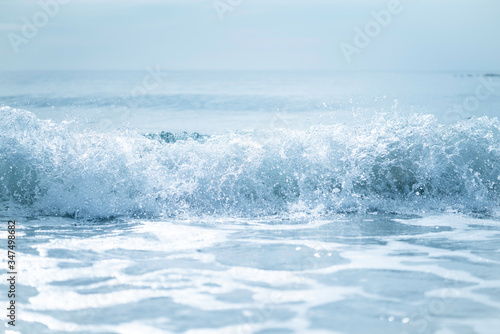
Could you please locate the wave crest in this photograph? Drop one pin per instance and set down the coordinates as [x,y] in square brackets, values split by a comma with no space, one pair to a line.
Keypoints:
[393,163]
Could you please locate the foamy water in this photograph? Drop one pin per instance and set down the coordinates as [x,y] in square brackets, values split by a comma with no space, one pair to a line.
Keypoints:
[394,163]
[434,274]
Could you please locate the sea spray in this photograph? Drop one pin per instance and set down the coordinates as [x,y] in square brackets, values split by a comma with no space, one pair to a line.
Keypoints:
[393,163]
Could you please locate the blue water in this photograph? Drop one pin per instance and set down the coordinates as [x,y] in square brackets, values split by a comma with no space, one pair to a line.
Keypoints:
[253,202]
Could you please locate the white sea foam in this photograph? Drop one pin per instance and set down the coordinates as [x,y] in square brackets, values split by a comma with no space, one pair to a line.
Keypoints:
[394,163]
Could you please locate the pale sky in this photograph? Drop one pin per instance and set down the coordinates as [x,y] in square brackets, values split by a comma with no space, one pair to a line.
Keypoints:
[438,35]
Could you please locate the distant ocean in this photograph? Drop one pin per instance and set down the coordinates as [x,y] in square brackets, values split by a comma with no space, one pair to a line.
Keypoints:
[252,202]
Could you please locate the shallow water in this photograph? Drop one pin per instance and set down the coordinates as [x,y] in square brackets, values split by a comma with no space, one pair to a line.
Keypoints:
[346,274]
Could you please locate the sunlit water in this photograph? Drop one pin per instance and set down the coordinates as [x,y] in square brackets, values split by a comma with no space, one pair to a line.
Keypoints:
[294,203]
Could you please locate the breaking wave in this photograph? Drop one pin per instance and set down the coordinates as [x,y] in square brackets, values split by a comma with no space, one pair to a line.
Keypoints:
[394,163]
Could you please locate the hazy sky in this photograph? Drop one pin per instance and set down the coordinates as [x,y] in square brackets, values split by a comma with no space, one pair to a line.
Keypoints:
[456,35]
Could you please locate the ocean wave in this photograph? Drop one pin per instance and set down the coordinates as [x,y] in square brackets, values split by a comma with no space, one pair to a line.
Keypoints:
[393,163]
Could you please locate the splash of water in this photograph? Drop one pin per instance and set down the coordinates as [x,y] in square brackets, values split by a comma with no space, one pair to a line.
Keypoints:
[395,163]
